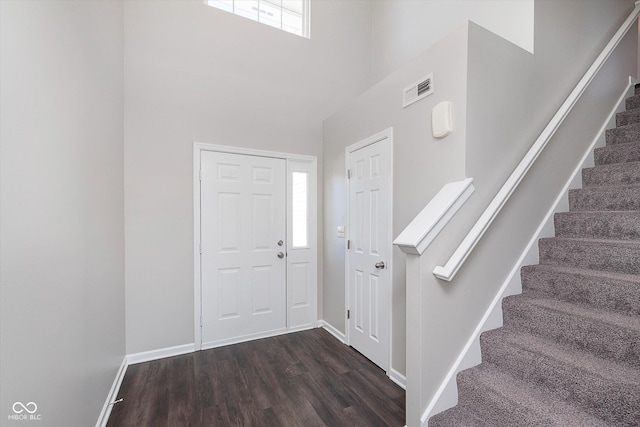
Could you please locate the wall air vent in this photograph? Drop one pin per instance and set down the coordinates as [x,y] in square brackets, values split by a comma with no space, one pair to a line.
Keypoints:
[417,91]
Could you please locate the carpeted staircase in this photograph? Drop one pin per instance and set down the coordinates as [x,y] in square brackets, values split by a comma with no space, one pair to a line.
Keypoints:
[569,351]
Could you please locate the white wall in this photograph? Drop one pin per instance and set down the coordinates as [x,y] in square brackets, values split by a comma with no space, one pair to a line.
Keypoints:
[422,164]
[195,73]
[61,214]
[403,28]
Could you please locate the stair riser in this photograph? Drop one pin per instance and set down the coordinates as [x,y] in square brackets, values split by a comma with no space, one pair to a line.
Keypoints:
[622,153]
[599,292]
[598,225]
[624,174]
[615,258]
[632,103]
[603,398]
[628,117]
[623,135]
[598,338]
[491,407]
[609,199]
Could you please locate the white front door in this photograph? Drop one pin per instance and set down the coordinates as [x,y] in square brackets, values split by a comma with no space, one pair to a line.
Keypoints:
[369,252]
[243,237]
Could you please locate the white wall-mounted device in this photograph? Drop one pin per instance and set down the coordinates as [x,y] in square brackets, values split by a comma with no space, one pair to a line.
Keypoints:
[441,120]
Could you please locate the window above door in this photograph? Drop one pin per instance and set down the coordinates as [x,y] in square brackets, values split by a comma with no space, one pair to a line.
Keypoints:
[292,16]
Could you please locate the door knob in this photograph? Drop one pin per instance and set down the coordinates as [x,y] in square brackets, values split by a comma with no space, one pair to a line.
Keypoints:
[280,255]
[380,264]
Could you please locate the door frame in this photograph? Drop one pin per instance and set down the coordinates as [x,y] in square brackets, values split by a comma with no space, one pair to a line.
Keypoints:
[291,161]
[380,136]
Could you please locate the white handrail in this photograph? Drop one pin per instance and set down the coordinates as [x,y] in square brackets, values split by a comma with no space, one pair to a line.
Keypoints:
[419,234]
[452,266]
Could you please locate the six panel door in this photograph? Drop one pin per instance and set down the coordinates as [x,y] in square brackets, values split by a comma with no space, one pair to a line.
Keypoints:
[368,275]
[243,235]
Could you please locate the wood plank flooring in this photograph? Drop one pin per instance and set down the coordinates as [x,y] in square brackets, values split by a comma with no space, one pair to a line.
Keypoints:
[302,379]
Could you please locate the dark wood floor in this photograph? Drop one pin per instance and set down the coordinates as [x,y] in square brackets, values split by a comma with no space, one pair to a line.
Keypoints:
[302,379]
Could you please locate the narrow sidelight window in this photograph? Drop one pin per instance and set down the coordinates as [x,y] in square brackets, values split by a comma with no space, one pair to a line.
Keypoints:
[299,211]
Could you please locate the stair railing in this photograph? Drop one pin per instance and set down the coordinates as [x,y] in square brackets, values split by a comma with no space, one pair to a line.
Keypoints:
[459,256]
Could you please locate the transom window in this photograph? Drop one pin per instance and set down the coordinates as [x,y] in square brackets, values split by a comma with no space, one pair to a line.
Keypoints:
[288,15]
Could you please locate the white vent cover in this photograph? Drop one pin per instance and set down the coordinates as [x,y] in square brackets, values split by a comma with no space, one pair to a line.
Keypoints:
[418,90]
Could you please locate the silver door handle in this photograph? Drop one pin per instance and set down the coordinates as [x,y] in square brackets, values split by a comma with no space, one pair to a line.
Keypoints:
[380,264]
[280,255]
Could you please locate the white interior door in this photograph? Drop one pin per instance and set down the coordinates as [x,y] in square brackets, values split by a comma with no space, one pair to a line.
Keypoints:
[243,237]
[369,252]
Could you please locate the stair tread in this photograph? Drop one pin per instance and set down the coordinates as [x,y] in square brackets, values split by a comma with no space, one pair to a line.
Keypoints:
[632,103]
[456,416]
[623,134]
[627,127]
[630,165]
[607,213]
[617,154]
[596,314]
[605,198]
[626,112]
[594,242]
[627,173]
[587,212]
[617,292]
[615,225]
[627,117]
[618,146]
[584,272]
[546,406]
[597,188]
[584,361]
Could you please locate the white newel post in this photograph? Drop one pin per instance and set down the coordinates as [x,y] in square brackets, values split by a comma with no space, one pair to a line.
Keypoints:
[413,241]
[414,342]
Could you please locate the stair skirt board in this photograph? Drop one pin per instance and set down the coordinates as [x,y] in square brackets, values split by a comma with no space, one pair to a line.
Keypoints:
[598,153]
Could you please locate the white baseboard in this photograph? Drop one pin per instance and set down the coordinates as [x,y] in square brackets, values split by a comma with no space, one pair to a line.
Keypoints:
[398,378]
[161,353]
[113,394]
[447,395]
[300,328]
[244,338]
[332,330]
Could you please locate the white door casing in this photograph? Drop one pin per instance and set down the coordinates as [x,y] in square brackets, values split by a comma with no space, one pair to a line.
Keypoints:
[297,292]
[369,194]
